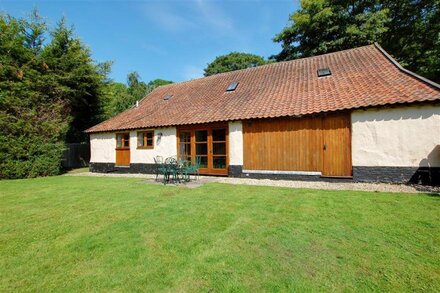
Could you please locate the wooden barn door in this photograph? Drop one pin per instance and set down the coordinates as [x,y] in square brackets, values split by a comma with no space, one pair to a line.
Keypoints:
[283,144]
[309,144]
[336,146]
[123,149]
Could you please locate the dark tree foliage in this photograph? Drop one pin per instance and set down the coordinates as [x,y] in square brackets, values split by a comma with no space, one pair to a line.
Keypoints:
[80,81]
[408,29]
[49,94]
[413,36]
[32,117]
[322,26]
[233,61]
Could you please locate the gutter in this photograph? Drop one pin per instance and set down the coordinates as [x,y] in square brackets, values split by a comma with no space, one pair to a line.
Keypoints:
[400,67]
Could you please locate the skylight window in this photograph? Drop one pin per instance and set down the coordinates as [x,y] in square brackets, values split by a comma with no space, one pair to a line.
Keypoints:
[167,97]
[324,72]
[232,86]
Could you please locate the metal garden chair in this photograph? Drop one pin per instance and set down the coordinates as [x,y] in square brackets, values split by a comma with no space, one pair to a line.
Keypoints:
[171,170]
[194,168]
[184,170]
[159,168]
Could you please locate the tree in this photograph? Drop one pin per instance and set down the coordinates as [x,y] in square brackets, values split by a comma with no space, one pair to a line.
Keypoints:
[414,35]
[137,89]
[120,97]
[408,29]
[158,82]
[49,93]
[115,99]
[80,81]
[322,26]
[233,61]
[32,118]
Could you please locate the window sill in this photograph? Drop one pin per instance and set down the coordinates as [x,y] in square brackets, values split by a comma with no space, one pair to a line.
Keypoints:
[145,148]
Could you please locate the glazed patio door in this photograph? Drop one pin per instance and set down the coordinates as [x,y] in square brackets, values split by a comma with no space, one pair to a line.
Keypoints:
[218,149]
[201,149]
[208,144]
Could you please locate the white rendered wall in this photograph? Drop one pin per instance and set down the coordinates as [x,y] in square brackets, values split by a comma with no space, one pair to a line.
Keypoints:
[165,146]
[235,143]
[404,136]
[102,147]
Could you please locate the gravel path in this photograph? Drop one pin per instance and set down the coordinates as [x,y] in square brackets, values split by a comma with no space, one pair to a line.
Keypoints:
[376,187]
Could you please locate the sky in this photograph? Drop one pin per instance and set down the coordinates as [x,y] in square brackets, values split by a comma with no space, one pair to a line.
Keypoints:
[168,39]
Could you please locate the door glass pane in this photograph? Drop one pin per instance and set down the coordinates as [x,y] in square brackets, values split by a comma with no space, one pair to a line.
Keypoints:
[119,141]
[140,139]
[185,137]
[185,150]
[219,162]
[219,148]
[201,135]
[219,134]
[126,140]
[203,162]
[201,149]
[185,145]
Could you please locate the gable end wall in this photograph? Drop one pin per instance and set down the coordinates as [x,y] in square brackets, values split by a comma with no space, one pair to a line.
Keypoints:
[399,144]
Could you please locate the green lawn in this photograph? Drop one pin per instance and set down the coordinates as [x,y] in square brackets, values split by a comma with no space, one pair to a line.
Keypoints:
[119,234]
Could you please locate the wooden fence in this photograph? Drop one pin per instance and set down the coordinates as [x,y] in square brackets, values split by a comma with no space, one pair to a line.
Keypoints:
[76,155]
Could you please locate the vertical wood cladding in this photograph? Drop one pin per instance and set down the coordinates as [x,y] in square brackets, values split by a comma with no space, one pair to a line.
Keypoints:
[301,144]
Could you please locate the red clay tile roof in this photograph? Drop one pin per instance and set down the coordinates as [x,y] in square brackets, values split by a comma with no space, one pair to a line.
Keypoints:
[361,77]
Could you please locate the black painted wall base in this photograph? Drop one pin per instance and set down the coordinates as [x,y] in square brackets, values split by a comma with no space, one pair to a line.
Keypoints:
[413,175]
[133,168]
[101,167]
[237,171]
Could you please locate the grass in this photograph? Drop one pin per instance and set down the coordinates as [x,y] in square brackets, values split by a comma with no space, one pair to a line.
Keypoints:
[119,234]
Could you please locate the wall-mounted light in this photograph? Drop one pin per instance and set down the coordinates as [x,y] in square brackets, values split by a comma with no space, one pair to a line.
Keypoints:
[159,137]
